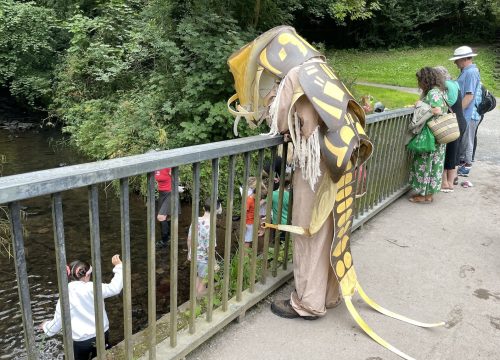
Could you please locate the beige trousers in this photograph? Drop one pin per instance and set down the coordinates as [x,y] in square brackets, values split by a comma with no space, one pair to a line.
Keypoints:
[316,286]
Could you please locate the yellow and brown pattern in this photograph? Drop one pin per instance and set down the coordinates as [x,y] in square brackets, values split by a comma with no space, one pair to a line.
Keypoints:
[286,51]
[343,144]
[343,131]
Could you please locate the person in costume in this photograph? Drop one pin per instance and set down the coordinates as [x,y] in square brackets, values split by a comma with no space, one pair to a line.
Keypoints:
[282,79]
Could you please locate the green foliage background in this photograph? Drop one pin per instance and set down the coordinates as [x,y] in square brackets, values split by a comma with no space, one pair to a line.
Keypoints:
[126,76]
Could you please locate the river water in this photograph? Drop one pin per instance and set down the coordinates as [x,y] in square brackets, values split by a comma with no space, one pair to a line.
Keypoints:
[39,149]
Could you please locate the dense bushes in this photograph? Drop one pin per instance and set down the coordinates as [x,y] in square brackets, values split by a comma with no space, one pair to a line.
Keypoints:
[399,23]
[29,40]
[125,76]
[130,82]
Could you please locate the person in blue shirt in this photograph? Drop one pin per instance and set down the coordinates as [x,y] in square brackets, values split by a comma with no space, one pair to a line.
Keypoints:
[469,82]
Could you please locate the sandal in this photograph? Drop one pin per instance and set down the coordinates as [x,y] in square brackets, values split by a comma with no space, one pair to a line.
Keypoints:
[420,199]
[466,184]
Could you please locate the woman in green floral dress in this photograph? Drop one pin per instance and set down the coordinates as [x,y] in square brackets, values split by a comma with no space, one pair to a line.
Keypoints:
[427,168]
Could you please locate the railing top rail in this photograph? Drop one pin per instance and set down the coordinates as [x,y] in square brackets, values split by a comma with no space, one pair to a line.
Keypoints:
[373,118]
[37,183]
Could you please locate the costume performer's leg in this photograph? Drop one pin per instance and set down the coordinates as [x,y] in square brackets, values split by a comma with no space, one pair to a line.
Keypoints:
[316,287]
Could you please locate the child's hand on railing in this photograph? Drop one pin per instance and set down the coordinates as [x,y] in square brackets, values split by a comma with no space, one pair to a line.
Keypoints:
[115,260]
[40,327]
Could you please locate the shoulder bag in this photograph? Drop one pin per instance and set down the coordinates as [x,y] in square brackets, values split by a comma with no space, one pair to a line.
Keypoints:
[423,142]
[422,113]
[445,127]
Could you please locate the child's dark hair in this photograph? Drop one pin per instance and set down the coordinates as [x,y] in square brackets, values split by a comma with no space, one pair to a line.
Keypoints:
[208,202]
[78,269]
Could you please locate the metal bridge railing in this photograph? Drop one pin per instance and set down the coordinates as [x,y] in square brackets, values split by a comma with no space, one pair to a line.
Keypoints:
[385,176]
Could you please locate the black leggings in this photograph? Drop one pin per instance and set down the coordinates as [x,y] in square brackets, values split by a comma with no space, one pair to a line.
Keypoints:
[475,138]
[86,350]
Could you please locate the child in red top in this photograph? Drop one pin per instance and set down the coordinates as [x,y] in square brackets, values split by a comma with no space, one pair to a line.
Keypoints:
[164,179]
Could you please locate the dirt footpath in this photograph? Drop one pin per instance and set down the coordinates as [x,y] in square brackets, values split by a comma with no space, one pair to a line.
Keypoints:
[430,262]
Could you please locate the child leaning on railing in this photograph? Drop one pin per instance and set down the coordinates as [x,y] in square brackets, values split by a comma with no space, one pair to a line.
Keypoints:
[81,303]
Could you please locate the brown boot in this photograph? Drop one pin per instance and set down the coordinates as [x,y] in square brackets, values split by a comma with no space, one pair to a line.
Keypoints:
[284,309]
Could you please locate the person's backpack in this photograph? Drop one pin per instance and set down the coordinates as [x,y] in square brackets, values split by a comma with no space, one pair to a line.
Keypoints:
[488,101]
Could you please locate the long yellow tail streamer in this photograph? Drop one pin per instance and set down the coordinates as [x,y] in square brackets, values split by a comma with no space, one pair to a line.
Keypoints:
[384,311]
[343,267]
[367,329]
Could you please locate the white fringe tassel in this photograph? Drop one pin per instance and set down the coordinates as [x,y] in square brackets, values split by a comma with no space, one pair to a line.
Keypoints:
[307,156]
[274,108]
[307,151]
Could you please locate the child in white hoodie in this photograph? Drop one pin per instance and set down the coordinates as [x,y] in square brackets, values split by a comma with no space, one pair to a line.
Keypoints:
[81,303]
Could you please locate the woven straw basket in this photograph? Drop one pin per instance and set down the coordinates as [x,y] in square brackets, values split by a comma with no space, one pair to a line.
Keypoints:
[445,128]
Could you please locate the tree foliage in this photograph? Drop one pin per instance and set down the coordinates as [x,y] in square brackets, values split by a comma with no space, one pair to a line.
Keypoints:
[28,50]
[125,76]
[404,23]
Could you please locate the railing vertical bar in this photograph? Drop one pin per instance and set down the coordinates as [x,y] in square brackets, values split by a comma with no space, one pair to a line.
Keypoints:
[384,164]
[379,155]
[363,204]
[399,150]
[256,221]
[403,172]
[195,211]
[277,234]
[372,133]
[95,248]
[212,240]
[408,159]
[289,221]
[391,149]
[229,232]
[151,251]
[174,255]
[397,146]
[126,261]
[241,242]
[269,207]
[22,279]
[359,202]
[62,276]
[355,190]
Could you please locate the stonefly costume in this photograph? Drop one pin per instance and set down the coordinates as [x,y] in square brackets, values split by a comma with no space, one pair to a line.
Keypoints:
[282,79]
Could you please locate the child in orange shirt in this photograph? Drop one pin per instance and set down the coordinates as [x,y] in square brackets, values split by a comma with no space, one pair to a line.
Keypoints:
[251,183]
[250,205]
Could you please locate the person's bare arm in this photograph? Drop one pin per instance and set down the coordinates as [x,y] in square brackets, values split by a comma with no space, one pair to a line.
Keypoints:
[467,100]
[436,110]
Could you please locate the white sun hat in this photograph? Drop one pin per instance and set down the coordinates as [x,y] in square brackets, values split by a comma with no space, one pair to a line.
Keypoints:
[462,52]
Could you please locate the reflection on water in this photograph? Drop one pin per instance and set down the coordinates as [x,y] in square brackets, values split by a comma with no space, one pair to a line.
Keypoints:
[30,151]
